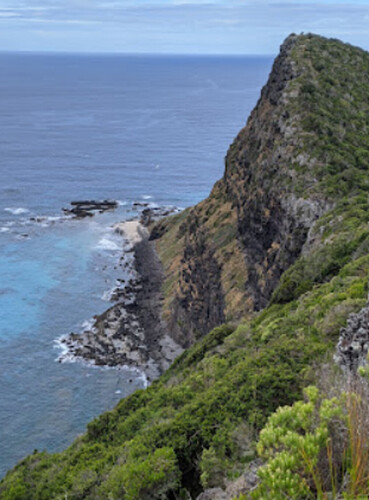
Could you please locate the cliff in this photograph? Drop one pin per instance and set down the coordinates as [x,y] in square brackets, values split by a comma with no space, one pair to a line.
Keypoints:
[304,148]
[280,250]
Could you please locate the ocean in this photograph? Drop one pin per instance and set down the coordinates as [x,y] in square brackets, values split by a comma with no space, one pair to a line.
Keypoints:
[151,129]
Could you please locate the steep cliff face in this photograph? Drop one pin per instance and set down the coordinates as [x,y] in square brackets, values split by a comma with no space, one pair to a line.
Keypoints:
[273,219]
[224,257]
[303,152]
[200,301]
[203,263]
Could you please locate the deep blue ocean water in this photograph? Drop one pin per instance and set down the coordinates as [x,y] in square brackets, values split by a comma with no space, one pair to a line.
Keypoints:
[130,128]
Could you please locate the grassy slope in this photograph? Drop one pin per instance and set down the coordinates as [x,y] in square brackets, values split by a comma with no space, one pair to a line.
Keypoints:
[197,424]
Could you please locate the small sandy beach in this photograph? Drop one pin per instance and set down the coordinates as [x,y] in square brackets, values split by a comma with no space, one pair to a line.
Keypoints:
[133,230]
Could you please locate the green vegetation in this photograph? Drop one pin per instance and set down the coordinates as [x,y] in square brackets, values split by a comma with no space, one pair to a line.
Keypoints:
[198,425]
[334,101]
[344,233]
[317,448]
[296,443]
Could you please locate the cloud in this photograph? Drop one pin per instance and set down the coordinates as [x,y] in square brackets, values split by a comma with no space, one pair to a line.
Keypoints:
[211,26]
[8,14]
[41,20]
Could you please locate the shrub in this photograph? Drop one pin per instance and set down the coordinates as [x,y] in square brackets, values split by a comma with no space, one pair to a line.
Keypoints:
[317,448]
[296,442]
[147,478]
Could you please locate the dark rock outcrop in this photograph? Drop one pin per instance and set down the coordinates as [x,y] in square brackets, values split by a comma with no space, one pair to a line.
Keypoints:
[153,214]
[353,345]
[87,208]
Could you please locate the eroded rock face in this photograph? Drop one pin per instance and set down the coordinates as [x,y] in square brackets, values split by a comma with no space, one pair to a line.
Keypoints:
[273,222]
[270,213]
[353,345]
[199,305]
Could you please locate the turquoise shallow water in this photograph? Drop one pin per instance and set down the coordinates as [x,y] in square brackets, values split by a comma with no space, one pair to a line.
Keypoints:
[37,280]
[65,257]
[54,283]
[73,127]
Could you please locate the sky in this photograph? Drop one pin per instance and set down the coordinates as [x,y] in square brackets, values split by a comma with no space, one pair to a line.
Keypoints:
[176,26]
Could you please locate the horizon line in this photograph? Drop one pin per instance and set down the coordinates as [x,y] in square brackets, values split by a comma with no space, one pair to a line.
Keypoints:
[116,53]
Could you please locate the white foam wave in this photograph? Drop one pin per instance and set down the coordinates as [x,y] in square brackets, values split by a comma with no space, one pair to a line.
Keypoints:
[146,197]
[59,344]
[4,229]
[88,325]
[46,220]
[55,218]
[66,356]
[106,244]
[16,210]
[107,296]
[142,377]
[122,203]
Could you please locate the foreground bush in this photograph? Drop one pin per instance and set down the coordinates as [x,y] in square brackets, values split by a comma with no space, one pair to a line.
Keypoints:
[317,448]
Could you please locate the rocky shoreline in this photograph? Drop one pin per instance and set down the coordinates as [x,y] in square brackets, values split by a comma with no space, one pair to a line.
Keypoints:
[131,332]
